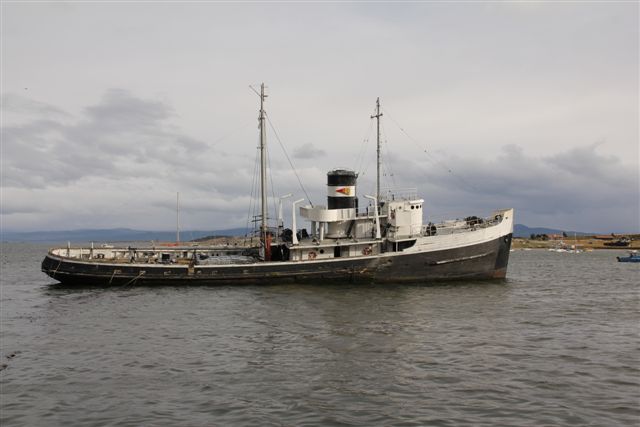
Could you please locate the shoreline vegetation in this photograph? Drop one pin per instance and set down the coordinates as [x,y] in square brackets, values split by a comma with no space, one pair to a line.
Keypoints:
[580,242]
[535,241]
[541,242]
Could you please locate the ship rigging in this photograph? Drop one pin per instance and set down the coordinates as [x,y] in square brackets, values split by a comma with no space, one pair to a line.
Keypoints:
[385,242]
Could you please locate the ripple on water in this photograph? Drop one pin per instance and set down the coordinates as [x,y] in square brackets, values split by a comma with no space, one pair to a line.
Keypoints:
[555,344]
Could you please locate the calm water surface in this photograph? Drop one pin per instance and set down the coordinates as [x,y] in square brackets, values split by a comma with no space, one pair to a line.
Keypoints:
[555,344]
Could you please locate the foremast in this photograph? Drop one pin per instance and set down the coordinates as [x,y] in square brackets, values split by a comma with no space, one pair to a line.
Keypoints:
[263,173]
[264,236]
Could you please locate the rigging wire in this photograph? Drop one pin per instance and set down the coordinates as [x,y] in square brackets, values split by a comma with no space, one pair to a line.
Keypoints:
[272,186]
[186,226]
[233,132]
[363,165]
[423,148]
[224,137]
[289,159]
[386,174]
[387,169]
[252,206]
[363,147]
[388,163]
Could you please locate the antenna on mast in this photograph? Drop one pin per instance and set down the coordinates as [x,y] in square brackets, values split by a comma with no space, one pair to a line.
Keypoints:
[377,117]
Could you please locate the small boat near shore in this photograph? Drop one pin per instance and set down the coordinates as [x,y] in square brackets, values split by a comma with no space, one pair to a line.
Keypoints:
[632,257]
[622,242]
[387,241]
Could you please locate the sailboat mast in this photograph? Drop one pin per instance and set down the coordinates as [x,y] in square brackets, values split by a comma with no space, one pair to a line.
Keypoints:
[263,168]
[377,117]
[178,217]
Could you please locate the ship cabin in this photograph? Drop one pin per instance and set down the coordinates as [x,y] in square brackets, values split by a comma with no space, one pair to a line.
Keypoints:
[341,229]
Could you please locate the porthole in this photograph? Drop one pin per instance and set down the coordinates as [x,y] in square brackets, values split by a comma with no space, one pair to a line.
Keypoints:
[321,251]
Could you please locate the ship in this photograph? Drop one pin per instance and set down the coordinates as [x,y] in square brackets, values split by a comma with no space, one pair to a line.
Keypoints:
[386,241]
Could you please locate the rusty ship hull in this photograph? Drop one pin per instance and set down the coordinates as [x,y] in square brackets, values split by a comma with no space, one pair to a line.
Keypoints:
[487,260]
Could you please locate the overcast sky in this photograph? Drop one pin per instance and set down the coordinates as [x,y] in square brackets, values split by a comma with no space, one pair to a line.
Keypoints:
[109,109]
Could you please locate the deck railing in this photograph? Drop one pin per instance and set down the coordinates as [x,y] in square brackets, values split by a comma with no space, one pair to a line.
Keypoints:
[460,225]
[391,194]
[157,254]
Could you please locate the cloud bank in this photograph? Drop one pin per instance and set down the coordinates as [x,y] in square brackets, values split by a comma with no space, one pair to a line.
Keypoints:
[110,108]
[121,162]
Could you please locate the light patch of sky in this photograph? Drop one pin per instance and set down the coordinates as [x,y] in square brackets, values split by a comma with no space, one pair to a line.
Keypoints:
[490,67]
[461,78]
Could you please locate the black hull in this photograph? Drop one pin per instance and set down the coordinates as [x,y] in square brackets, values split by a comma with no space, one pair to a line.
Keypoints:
[481,261]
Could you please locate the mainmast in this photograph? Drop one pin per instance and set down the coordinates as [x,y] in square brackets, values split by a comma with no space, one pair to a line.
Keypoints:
[263,169]
[377,117]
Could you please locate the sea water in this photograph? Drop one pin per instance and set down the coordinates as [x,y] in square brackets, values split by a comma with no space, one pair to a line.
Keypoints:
[557,343]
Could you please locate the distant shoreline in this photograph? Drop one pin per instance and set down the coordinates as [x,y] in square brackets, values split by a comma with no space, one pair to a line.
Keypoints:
[581,242]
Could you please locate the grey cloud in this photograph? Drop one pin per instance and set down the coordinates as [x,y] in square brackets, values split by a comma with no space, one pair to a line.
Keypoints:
[116,135]
[117,165]
[124,140]
[19,104]
[585,162]
[575,186]
[542,189]
[20,207]
[308,151]
[120,111]
[568,83]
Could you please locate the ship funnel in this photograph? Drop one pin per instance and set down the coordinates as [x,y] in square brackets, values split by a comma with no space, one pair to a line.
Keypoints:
[341,189]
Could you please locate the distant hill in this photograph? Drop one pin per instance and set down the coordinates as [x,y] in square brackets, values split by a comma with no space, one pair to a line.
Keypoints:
[113,235]
[129,235]
[520,230]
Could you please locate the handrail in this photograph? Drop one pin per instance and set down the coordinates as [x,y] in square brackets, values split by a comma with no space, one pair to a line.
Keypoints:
[461,225]
[406,193]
